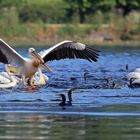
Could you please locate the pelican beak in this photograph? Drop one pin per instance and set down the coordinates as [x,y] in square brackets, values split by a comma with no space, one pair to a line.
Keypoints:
[42,64]
[37,56]
[12,69]
[46,67]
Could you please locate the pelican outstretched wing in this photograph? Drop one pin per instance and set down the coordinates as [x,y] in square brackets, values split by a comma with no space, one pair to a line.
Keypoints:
[70,49]
[9,56]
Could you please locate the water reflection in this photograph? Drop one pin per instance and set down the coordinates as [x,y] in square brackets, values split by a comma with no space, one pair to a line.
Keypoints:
[29,126]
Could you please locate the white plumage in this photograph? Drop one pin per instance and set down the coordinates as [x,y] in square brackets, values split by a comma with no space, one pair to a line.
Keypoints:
[10,80]
[26,67]
[7,80]
[134,76]
[40,78]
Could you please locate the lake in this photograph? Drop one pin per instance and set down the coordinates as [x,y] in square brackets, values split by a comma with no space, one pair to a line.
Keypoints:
[104,107]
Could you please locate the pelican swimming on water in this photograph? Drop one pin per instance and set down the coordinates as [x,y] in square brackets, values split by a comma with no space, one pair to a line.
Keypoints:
[39,78]
[134,78]
[28,67]
[7,80]
[135,74]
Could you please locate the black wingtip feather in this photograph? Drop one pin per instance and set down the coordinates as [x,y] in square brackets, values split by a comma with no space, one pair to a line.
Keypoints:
[94,55]
[70,50]
[96,52]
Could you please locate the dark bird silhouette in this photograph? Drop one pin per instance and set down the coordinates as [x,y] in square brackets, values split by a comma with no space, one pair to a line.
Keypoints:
[86,75]
[63,102]
[126,67]
[63,97]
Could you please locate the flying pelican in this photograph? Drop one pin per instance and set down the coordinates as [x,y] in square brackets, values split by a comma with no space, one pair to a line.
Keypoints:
[28,67]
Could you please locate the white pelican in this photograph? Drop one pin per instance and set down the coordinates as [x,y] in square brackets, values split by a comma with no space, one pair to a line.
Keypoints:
[39,78]
[135,74]
[28,67]
[7,80]
[134,77]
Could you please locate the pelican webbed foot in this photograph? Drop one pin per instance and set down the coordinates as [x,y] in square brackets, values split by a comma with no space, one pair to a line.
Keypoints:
[32,86]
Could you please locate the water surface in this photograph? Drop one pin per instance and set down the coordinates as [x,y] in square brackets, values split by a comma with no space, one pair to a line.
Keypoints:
[100,110]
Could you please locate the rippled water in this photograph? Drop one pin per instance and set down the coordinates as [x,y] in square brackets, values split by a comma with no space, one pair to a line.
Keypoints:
[100,110]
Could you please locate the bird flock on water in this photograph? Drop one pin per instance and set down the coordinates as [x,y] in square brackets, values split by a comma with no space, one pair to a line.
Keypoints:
[19,69]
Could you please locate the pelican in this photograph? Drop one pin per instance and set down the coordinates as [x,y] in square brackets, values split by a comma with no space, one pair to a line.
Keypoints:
[7,80]
[28,67]
[135,74]
[134,78]
[39,78]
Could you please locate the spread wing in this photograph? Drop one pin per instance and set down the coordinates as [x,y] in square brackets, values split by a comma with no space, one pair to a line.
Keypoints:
[9,56]
[70,49]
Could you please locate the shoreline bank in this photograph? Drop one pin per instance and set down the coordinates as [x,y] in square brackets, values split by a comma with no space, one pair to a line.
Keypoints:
[32,42]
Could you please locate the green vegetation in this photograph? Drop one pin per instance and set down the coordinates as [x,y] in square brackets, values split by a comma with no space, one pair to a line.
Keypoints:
[54,20]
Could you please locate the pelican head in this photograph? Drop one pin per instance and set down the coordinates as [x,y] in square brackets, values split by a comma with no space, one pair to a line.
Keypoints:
[33,53]
[38,59]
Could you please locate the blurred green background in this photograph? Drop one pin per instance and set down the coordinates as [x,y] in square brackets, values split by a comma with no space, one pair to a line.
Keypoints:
[88,21]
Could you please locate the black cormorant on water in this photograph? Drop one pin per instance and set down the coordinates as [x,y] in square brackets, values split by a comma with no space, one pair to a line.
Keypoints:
[86,72]
[63,102]
[69,102]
